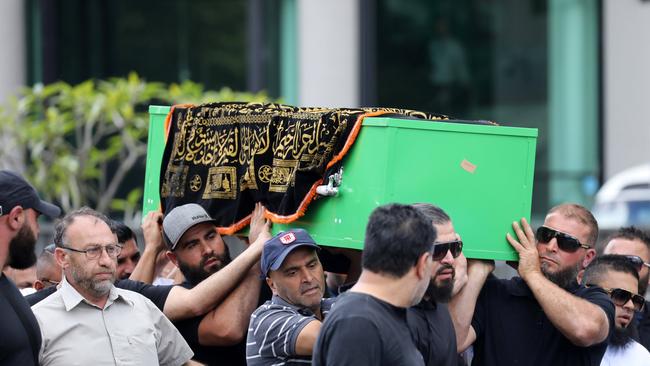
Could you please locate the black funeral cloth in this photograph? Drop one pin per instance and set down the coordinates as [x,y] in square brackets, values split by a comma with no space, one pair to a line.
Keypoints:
[228,156]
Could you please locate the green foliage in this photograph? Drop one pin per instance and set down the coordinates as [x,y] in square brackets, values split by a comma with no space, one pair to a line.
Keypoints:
[85,144]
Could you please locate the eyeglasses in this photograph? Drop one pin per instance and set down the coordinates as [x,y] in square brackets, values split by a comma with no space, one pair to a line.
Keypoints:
[636,261]
[49,283]
[565,242]
[440,249]
[95,251]
[620,297]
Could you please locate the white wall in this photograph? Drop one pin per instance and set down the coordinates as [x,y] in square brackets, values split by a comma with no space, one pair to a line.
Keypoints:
[626,39]
[12,69]
[328,53]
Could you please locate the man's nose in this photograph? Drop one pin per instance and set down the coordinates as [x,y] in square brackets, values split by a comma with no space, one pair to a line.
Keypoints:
[104,258]
[551,246]
[448,258]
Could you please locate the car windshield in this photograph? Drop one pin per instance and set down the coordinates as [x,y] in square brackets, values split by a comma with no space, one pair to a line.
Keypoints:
[612,215]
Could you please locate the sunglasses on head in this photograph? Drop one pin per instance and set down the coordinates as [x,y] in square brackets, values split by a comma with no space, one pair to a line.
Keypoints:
[620,297]
[440,249]
[636,261]
[565,242]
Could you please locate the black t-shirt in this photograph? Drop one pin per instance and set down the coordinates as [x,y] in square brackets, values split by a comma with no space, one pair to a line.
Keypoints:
[433,333]
[643,326]
[20,336]
[363,330]
[157,294]
[512,328]
[215,355]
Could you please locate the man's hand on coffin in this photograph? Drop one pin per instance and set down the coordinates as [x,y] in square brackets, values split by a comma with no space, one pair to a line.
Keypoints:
[526,246]
[152,231]
[260,226]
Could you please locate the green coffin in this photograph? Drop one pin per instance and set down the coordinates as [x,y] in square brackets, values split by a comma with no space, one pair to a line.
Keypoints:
[481,175]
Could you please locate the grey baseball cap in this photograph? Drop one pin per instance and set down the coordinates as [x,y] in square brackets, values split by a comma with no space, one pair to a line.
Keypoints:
[180,219]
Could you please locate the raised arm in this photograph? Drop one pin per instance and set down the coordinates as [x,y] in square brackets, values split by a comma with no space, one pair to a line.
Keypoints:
[204,297]
[463,304]
[581,321]
[145,270]
[227,324]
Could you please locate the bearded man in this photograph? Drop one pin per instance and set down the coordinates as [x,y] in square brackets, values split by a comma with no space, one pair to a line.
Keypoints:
[543,317]
[429,321]
[20,206]
[90,321]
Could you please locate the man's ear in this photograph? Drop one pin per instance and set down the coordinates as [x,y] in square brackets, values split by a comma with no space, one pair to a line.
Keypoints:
[61,257]
[271,284]
[589,256]
[16,218]
[422,266]
[172,257]
[38,285]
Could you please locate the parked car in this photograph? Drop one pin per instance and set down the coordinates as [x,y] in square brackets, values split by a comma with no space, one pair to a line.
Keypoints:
[624,200]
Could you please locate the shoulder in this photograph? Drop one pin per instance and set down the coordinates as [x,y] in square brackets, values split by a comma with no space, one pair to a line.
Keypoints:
[639,351]
[273,313]
[136,298]
[54,302]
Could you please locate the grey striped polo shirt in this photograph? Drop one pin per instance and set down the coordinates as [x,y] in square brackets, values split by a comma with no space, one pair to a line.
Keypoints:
[274,329]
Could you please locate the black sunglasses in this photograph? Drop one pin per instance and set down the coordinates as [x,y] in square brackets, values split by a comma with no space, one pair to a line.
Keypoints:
[620,297]
[565,242]
[440,249]
[636,261]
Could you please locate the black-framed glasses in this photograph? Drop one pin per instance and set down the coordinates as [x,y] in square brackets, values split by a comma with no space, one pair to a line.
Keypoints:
[95,251]
[636,261]
[620,297]
[440,249]
[565,242]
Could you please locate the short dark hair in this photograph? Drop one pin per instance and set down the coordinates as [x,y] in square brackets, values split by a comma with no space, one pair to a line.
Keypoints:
[630,233]
[61,226]
[597,270]
[396,237]
[583,215]
[123,232]
[433,213]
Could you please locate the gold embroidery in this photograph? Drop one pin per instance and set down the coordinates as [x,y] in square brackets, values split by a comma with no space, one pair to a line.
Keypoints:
[221,183]
[174,183]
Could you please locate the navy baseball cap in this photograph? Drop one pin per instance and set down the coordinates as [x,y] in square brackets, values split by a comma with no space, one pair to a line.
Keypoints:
[15,191]
[278,247]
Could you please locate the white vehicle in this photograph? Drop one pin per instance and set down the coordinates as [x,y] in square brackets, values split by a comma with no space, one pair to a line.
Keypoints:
[624,199]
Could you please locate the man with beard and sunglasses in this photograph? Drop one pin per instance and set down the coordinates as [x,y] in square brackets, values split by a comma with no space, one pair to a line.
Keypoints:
[196,248]
[635,245]
[543,317]
[429,321]
[620,279]
[20,206]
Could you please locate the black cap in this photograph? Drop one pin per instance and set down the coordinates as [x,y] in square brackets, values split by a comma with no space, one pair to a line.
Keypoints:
[15,191]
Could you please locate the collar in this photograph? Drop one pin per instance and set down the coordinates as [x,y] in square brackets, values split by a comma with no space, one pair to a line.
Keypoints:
[277,300]
[71,297]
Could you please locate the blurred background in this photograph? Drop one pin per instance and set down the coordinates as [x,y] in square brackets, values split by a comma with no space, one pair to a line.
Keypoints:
[76,78]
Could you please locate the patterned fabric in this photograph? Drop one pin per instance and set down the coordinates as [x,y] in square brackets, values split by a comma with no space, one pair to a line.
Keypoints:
[273,332]
[227,156]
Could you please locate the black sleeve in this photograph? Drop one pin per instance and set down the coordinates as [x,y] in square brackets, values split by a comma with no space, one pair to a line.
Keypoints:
[350,342]
[157,294]
[38,296]
[416,320]
[598,296]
